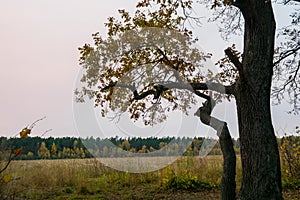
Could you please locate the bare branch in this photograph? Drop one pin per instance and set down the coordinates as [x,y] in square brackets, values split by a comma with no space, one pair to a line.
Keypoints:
[187,13]
[34,123]
[230,20]
[11,157]
[286,54]
[287,1]
[291,87]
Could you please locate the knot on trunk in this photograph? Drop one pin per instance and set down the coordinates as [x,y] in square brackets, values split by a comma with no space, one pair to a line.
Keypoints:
[204,112]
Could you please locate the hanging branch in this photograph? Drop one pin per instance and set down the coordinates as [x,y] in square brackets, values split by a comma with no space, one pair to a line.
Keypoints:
[46,132]
[11,157]
[27,130]
[34,123]
[23,134]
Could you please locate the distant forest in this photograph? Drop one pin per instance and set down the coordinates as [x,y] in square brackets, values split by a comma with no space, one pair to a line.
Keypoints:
[70,147]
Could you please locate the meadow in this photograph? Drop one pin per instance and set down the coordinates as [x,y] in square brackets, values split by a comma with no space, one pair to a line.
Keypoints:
[189,177]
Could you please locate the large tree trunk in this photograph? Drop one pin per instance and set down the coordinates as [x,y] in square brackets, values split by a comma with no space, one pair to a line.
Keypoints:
[259,150]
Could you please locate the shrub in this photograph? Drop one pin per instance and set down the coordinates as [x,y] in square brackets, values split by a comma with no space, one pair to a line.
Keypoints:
[290,158]
[187,183]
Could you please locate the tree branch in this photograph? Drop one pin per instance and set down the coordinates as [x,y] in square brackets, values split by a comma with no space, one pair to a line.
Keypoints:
[286,54]
[11,157]
[228,184]
[236,3]
[202,95]
[287,1]
[234,59]
[161,87]
[133,89]
[217,87]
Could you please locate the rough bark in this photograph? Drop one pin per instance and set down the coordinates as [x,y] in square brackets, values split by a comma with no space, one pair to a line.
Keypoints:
[259,151]
[228,184]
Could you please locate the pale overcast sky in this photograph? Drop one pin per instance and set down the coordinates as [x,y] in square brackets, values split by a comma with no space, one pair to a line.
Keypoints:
[39,62]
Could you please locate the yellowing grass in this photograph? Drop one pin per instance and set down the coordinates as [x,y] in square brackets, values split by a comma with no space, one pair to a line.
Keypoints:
[48,178]
[90,179]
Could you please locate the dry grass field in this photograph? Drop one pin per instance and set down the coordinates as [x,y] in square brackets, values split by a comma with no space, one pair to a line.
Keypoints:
[186,178]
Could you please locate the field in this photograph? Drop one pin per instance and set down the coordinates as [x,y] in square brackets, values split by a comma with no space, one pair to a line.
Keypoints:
[186,178]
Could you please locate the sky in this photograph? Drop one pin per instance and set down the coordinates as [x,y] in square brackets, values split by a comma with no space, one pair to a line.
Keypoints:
[40,69]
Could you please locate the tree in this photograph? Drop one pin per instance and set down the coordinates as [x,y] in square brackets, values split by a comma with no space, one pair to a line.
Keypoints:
[43,151]
[126,145]
[113,66]
[143,150]
[53,150]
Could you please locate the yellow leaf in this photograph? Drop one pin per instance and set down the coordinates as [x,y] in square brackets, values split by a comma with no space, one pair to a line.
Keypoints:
[6,178]
[18,152]
[25,132]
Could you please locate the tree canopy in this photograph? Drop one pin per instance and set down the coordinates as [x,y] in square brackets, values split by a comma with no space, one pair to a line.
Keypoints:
[154,55]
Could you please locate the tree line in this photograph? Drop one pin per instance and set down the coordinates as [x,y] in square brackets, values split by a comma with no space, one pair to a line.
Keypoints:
[70,147]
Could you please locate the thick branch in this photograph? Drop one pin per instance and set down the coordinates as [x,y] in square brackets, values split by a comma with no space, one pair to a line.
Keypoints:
[235,3]
[234,60]
[217,87]
[137,96]
[202,95]
[160,87]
